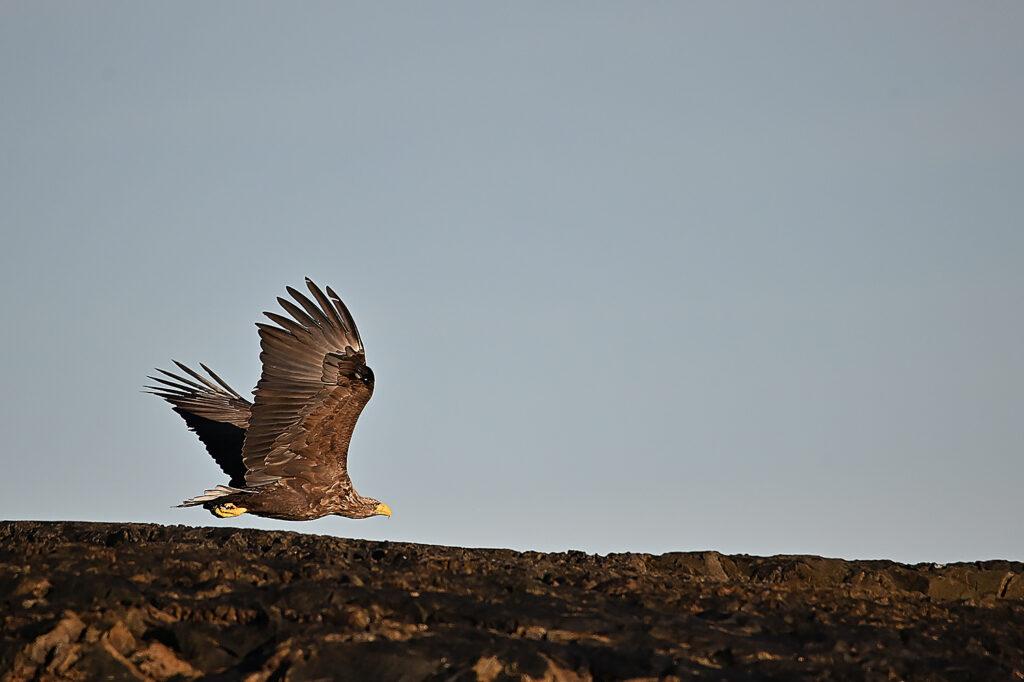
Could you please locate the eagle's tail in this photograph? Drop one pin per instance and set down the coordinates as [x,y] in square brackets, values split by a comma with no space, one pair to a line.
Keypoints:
[213,494]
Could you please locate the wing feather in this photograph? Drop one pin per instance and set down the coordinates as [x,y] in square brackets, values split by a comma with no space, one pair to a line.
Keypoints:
[314,312]
[342,310]
[210,401]
[298,313]
[220,381]
[196,375]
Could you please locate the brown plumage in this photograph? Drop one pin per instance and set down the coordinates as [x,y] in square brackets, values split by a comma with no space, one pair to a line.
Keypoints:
[286,454]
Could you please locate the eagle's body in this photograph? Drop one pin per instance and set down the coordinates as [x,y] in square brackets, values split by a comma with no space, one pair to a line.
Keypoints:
[286,453]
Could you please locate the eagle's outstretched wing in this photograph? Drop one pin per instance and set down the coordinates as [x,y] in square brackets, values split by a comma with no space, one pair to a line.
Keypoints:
[314,385]
[215,412]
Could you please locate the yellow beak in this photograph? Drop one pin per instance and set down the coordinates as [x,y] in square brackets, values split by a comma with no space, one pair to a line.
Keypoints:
[383,510]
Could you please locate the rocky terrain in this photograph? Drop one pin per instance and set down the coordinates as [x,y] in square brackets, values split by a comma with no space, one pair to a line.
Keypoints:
[86,601]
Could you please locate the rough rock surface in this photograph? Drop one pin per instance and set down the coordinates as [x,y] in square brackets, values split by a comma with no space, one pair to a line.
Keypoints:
[88,601]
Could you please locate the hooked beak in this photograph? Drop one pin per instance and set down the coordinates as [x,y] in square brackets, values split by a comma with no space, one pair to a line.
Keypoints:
[382,510]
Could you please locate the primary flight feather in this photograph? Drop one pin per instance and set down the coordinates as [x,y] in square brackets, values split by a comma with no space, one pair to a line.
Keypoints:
[286,453]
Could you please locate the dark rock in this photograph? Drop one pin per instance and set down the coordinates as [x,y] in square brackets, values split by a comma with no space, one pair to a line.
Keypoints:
[132,601]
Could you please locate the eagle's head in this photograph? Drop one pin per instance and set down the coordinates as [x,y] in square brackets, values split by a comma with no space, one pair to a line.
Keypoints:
[364,508]
[381,509]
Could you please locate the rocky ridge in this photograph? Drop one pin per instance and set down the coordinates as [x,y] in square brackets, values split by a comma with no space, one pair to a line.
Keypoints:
[83,601]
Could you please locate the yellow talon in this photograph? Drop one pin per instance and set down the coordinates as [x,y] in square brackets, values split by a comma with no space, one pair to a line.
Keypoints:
[226,511]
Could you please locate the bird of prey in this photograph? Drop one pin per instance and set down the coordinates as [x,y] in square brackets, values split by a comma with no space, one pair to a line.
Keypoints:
[286,453]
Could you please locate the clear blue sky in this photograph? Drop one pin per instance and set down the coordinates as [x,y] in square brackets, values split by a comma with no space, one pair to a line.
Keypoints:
[632,276]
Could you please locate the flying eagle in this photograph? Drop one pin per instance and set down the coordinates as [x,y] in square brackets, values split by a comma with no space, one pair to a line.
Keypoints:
[286,454]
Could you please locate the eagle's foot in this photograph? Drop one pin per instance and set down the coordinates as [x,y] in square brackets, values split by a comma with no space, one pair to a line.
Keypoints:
[227,510]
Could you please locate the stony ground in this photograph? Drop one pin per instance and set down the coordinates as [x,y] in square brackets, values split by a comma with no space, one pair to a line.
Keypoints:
[89,601]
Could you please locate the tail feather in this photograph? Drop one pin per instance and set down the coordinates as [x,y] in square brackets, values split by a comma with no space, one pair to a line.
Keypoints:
[213,494]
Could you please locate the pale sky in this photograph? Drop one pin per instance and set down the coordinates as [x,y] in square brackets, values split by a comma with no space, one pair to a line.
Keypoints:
[632,276]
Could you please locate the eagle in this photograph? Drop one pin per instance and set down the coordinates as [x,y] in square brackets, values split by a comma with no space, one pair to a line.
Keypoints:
[285,453]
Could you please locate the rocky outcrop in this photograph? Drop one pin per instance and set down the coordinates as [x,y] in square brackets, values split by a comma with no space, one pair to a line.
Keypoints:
[84,601]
